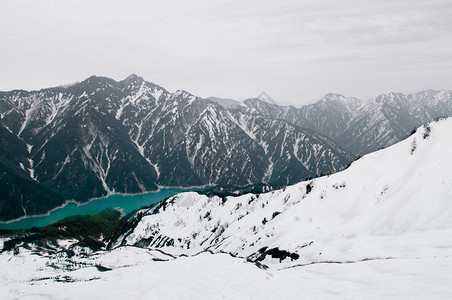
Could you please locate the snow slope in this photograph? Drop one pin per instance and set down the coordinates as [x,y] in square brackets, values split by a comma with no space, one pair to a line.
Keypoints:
[393,203]
[220,276]
[380,229]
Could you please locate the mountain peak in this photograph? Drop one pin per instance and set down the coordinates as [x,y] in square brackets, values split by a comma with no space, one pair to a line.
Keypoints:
[132,78]
[332,97]
[257,101]
[96,79]
[226,103]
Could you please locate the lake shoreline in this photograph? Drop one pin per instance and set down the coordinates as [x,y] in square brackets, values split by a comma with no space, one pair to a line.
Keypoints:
[161,189]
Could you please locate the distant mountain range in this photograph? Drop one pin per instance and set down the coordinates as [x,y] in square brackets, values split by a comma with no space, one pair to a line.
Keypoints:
[360,126]
[100,136]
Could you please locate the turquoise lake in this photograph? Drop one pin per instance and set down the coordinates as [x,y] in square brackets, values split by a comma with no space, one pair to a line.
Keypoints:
[128,203]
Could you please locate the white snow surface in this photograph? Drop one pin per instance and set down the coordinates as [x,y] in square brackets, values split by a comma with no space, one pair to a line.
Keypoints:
[381,229]
[390,197]
[220,276]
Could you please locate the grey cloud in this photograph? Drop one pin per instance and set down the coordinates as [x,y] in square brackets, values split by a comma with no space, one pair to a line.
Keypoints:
[295,50]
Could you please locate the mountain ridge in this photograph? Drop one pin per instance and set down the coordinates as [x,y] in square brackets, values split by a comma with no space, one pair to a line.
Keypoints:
[363,126]
[103,136]
[99,125]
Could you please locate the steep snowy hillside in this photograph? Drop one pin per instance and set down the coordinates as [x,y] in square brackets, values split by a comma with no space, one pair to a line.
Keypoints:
[393,203]
[380,229]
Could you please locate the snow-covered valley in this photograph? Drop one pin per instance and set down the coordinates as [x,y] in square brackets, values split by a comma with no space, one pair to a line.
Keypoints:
[380,229]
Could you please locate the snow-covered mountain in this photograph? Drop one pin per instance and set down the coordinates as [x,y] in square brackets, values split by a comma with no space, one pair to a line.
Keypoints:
[19,192]
[388,118]
[400,192]
[331,115]
[379,229]
[100,136]
[361,126]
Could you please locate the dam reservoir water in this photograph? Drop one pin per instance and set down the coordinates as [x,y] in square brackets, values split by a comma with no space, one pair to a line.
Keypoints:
[127,203]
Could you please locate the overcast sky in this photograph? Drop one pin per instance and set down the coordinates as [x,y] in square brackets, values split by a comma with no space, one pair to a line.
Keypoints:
[295,51]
